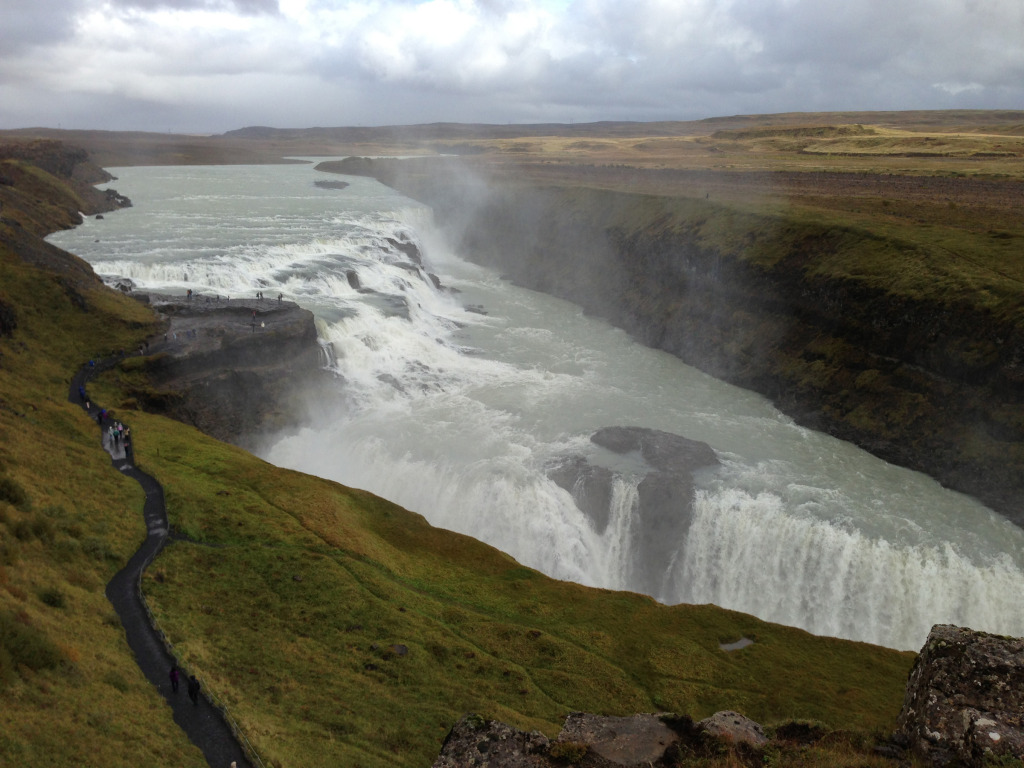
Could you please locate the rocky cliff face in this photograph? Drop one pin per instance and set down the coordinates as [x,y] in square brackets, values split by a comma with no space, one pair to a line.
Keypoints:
[236,370]
[664,508]
[929,383]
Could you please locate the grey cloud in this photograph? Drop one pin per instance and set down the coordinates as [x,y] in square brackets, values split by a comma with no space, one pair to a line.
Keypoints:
[28,23]
[600,59]
[244,7]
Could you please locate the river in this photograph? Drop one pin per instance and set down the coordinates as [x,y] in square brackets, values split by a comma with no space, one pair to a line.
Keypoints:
[456,403]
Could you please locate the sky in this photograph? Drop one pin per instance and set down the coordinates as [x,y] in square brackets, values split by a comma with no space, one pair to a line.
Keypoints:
[208,66]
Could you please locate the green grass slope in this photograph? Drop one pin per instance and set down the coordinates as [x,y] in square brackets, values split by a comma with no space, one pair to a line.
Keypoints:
[338,629]
[72,694]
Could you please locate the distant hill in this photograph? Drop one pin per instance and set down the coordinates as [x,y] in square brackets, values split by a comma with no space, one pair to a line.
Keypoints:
[264,144]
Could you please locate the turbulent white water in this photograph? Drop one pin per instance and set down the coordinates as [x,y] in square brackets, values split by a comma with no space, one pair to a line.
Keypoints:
[456,414]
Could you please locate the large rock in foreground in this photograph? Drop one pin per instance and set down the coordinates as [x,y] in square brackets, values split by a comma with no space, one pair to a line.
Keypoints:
[965,698]
[587,740]
[599,741]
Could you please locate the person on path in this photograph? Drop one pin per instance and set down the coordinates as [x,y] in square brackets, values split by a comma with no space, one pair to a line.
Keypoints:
[193,689]
[175,675]
[81,394]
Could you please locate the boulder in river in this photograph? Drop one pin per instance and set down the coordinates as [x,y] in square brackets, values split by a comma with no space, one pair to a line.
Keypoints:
[664,507]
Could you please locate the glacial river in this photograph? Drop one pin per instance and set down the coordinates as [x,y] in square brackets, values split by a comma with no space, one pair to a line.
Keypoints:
[454,403]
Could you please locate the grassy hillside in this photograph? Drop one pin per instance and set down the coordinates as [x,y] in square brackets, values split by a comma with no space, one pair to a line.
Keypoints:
[338,628]
[72,694]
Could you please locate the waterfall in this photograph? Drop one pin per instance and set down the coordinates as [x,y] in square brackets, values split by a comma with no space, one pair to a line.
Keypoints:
[458,398]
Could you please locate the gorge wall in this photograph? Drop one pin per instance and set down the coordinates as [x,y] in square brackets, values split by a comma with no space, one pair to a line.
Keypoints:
[924,378]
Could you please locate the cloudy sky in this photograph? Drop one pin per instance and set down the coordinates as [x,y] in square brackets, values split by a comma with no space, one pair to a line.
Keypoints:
[206,66]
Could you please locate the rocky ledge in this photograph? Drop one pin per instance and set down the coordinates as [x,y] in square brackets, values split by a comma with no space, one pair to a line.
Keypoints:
[665,492]
[236,369]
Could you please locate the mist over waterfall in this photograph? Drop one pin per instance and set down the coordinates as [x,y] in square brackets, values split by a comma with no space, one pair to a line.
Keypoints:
[458,394]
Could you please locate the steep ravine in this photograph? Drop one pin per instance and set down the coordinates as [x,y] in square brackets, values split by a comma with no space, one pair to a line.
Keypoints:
[924,379]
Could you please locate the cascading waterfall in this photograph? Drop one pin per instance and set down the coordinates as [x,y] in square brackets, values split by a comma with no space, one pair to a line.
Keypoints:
[456,404]
[750,553]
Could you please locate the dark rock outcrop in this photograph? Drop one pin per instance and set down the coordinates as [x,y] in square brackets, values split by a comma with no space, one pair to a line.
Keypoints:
[664,451]
[965,699]
[590,486]
[236,370]
[324,184]
[664,507]
[410,249]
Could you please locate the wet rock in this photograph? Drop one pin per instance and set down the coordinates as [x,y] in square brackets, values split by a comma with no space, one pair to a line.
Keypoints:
[662,450]
[590,486]
[664,508]
[408,248]
[964,701]
[353,279]
[323,184]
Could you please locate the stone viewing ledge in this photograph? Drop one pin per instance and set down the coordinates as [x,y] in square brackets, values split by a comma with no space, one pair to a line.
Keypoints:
[236,369]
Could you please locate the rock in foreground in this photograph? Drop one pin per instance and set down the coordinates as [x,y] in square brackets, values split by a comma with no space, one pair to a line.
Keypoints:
[965,698]
[596,741]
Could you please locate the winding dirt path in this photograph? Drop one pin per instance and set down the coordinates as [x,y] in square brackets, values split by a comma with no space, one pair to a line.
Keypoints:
[203,722]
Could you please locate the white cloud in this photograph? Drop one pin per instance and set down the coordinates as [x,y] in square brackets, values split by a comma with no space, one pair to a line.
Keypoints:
[219,64]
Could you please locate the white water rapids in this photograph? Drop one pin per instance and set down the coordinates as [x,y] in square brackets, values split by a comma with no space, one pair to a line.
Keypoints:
[457,414]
